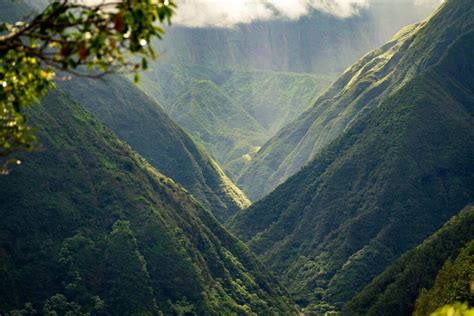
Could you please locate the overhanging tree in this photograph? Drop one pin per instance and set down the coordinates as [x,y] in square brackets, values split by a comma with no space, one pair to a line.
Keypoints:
[85,38]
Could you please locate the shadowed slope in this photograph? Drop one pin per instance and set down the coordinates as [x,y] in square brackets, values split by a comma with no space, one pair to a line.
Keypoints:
[141,122]
[395,290]
[92,223]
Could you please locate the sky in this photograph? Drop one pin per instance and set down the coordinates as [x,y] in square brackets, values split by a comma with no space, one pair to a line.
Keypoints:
[228,13]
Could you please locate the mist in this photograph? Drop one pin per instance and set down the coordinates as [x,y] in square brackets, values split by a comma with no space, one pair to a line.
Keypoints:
[218,13]
[229,13]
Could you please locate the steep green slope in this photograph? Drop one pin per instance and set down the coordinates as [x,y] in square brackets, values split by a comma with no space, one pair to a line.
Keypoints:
[232,113]
[318,43]
[386,184]
[88,225]
[274,98]
[141,122]
[224,128]
[454,284]
[395,290]
[361,88]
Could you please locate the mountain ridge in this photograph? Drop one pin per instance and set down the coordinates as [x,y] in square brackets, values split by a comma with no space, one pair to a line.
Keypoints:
[231,112]
[393,292]
[337,223]
[316,43]
[357,91]
[140,121]
[99,230]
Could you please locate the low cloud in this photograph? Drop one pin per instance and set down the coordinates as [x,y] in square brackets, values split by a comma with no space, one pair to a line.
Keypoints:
[422,2]
[228,13]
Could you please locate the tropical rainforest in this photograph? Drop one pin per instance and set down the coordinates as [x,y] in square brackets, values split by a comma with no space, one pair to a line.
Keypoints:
[275,158]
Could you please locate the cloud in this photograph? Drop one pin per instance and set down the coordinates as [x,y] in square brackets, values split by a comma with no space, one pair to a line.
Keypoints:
[228,13]
[422,2]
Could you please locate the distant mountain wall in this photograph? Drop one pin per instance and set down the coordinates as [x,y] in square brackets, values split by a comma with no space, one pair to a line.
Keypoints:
[318,43]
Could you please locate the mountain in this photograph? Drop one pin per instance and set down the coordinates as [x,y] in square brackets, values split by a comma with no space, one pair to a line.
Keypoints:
[319,43]
[256,69]
[395,290]
[224,128]
[361,88]
[390,180]
[232,113]
[274,98]
[141,122]
[88,226]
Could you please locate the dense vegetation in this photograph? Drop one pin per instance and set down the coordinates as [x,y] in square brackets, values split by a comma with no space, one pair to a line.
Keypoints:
[361,88]
[224,128]
[99,230]
[232,113]
[370,226]
[454,284]
[274,98]
[141,122]
[274,94]
[395,290]
[388,182]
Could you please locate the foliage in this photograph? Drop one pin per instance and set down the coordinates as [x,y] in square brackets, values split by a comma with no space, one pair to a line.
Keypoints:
[67,36]
[359,90]
[388,182]
[454,283]
[231,112]
[457,309]
[396,289]
[127,275]
[141,122]
[59,305]
[91,221]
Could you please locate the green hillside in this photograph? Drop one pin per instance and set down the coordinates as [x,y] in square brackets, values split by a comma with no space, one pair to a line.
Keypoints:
[224,128]
[395,290]
[232,113]
[361,88]
[385,184]
[274,98]
[453,285]
[89,226]
[140,121]
[256,66]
